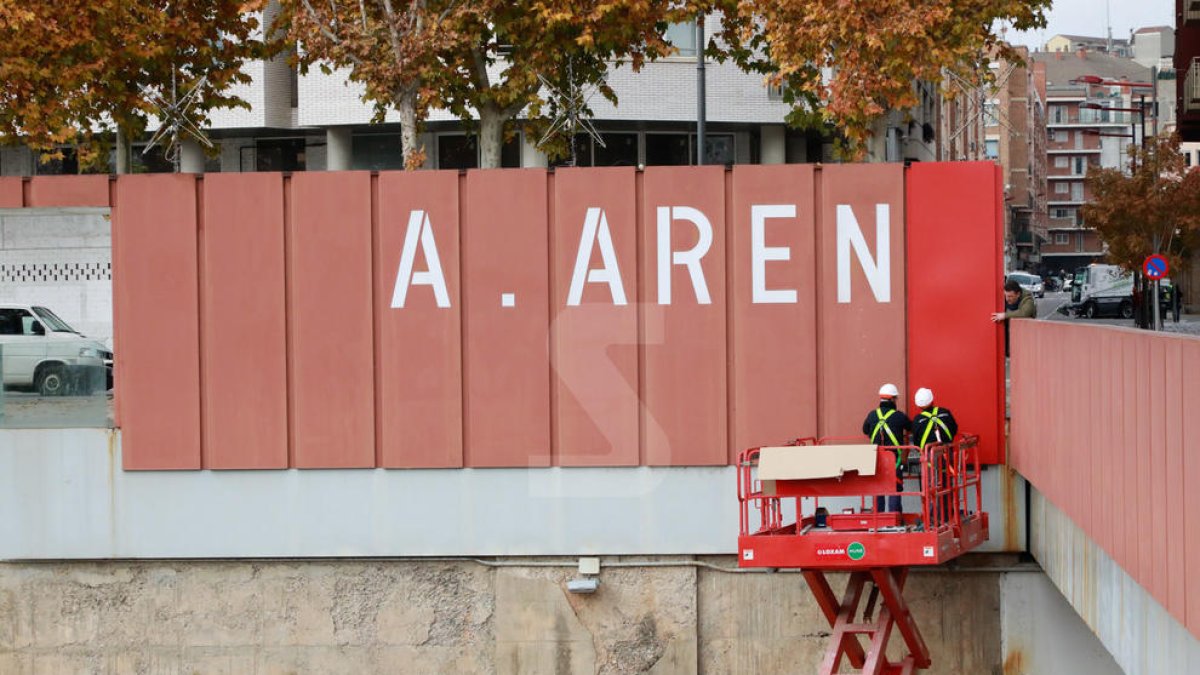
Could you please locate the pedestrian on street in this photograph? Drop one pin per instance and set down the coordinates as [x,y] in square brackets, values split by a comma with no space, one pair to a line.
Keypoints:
[886,427]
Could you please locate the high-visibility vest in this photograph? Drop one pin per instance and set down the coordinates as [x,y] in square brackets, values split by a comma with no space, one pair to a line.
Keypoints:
[880,425]
[929,427]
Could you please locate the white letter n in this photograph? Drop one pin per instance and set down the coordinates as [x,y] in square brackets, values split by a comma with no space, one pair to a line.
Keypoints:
[419,230]
[878,269]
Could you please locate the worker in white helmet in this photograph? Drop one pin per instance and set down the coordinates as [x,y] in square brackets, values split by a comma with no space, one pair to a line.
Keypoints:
[886,427]
[934,424]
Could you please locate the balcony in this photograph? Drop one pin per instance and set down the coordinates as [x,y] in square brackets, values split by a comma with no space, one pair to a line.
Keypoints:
[1191,87]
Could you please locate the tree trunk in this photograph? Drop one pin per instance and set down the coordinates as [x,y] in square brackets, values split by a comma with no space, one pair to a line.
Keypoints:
[414,152]
[122,150]
[491,136]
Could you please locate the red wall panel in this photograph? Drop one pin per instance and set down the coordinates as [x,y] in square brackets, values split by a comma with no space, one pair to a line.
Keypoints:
[1098,427]
[773,352]
[1190,506]
[506,260]
[684,342]
[243,325]
[595,324]
[419,346]
[156,315]
[953,283]
[12,193]
[330,324]
[861,341]
[46,191]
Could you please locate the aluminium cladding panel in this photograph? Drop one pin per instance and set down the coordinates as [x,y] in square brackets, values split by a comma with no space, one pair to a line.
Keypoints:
[1189,505]
[594,317]
[684,316]
[1174,523]
[418,314]
[243,324]
[155,302]
[773,289]
[954,253]
[330,323]
[860,292]
[12,192]
[47,191]
[506,291]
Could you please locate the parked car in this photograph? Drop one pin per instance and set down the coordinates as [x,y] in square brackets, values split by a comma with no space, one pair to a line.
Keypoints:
[40,351]
[1030,282]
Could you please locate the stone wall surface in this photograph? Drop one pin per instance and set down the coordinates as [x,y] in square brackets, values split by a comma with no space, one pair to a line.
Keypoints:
[405,616]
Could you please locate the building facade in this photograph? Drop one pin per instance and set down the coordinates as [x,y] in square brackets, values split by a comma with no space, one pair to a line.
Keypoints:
[1083,133]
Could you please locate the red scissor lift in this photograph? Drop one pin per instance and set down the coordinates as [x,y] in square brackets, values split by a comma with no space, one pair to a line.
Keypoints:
[799,481]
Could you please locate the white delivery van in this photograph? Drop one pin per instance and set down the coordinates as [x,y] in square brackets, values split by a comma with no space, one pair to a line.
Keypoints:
[40,351]
[1102,289]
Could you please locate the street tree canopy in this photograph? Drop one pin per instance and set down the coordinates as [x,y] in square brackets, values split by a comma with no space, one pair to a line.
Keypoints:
[1155,208]
[72,71]
[846,64]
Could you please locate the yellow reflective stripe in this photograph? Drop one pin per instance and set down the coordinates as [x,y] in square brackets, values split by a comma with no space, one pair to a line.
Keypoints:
[929,427]
[880,424]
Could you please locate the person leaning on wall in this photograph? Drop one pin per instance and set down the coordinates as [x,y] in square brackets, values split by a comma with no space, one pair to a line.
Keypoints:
[1018,304]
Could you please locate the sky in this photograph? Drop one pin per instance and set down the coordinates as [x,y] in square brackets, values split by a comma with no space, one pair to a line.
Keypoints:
[1087,17]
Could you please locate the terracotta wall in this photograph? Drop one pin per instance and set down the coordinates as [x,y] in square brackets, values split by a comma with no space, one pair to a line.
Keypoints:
[1099,426]
[510,318]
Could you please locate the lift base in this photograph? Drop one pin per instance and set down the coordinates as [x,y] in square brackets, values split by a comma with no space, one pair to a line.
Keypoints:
[886,583]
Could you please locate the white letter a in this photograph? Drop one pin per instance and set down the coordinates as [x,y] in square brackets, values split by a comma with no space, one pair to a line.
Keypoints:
[419,230]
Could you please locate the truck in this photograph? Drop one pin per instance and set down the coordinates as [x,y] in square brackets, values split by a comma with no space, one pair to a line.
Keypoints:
[1100,289]
[40,351]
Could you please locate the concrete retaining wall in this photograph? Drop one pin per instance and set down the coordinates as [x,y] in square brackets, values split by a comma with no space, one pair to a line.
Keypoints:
[408,616]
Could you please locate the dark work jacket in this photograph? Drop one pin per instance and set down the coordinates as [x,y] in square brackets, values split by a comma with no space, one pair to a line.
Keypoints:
[898,422]
[937,434]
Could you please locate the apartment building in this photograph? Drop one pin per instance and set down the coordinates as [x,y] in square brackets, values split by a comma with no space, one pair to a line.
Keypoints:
[1083,134]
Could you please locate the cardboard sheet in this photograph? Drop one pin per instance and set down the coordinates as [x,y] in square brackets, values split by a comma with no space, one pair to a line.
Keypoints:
[818,461]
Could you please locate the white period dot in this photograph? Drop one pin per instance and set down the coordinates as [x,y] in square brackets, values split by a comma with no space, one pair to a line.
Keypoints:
[508,300]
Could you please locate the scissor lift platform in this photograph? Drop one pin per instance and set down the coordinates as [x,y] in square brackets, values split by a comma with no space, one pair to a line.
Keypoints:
[827,490]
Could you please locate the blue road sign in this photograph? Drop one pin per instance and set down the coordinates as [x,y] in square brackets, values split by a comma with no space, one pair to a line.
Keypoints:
[1155,267]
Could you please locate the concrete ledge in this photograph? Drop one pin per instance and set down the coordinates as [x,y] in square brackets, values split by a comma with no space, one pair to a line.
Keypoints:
[1139,632]
[64,496]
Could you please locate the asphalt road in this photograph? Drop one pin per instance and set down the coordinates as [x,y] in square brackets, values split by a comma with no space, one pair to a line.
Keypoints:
[1049,305]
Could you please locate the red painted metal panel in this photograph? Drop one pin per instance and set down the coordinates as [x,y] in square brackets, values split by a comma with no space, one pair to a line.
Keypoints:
[774,337]
[595,324]
[1174,423]
[684,341]
[954,278]
[862,337]
[1153,411]
[46,191]
[156,313]
[12,193]
[1133,522]
[243,324]
[507,356]
[331,360]
[1141,454]
[1190,506]
[419,344]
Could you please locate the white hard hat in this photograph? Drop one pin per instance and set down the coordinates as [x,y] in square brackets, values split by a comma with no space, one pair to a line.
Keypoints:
[923,398]
[889,389]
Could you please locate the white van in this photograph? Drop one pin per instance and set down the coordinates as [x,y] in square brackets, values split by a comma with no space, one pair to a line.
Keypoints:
[40,351]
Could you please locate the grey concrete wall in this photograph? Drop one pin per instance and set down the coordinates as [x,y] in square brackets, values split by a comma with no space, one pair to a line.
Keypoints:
[1142,636]
[444,617]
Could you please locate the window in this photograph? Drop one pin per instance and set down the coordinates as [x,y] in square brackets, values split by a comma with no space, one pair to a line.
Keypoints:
[1080,166]
[1058,114]
[460,151]
[667,150]
[1061,136]
[618,150]
[991,114]
[1062,162]
[1187,158]
[1079,243]
[1062,238]
[1076,192]
[1060,213]
[376,152]
[16,322]
[683,36]
[1061,188]
[280,155]
[993,149]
